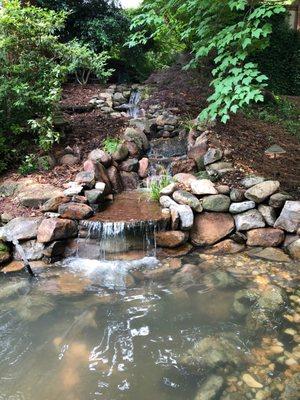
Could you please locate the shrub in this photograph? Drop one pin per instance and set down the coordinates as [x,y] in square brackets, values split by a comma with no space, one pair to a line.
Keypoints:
[33,65]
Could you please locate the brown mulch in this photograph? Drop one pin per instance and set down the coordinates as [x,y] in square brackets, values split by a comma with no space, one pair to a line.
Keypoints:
[78,95]
[249,138]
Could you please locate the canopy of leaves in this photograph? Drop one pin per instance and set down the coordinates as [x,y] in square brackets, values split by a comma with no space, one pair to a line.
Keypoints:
[228,31]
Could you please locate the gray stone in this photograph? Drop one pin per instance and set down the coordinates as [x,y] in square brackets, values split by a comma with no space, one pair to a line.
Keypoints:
[94,196]
[210,388]
[289,219]
[101,156]
[212,155]
[166,119]
[268,213]
[236,208]
[277,200]
[100,186]
[237,195]
[8,188]
[33,251]
[184,197]
[270,254]
[253,180]
[294,249]
[37,194]
[184,179]
[21,228]
[130,165]
[262,191]
[167,202]
[223,189]
[138,137]
[186,216]
[169,190]
[121,153]
[168,147]
[221,168]
[249,220]
[73,189]
[85,178]
[202,187]
[216,202]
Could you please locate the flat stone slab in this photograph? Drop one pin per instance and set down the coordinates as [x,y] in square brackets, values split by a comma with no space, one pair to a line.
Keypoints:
[37,194]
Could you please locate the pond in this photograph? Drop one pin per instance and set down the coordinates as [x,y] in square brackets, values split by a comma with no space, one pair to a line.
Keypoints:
[219,327]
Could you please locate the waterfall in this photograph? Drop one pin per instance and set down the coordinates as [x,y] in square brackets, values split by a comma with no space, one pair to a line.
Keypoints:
[133,109]
[21,251]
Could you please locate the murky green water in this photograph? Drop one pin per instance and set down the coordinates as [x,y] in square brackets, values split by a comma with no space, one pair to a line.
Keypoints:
[63,336]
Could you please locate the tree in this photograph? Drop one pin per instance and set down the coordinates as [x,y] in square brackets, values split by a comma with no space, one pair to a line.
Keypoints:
[228,31]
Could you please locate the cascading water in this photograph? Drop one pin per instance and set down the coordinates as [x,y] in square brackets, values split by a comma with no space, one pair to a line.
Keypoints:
[133,106]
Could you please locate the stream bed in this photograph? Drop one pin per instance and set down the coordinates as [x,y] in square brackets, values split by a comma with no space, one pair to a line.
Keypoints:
[196,333]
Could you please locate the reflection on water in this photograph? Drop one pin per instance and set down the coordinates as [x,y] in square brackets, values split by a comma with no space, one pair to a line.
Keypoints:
[92,342]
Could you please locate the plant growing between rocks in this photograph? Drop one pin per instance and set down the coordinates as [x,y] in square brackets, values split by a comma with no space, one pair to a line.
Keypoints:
[157,184]
[110,145]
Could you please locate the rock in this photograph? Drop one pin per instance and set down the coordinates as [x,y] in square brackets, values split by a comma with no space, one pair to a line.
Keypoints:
[237,195]
[210,388]
[130,165]
[21,228]
[130,180]
[184,179]
[187,276]
[133,150]
[216,203]
[202,187]
[37,194]
[143,169]
[250,181]
[75,211]
[171,239]
[221,168]
[121,153]
[292,388]
[55,229]
[69,159]
[33,251]
[176,252]
[85,178]
[277,200]
[251,382]
[186,216]
[265,237]
[138,137]
[197,153]
[168,147]
[54,250]
[6,217]
[294,249]
[94,196]
[101,156]
[168,190]
[212,155]
[268,213]
[272,299]
[115,179]
[119,98]
[223,189]
[211,353]
[8,188]
[236,208]
[167,119]
[184,197]
[270,254]
[289,219]
[183,166]
[167,202]
[4,253]
[262,191]
[73,190]
[54,202]
[209,228]
[249,220]
[101,186]
[227,246]
[289,239]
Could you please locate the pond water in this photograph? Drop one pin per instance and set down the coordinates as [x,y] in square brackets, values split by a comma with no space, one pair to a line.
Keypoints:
[72,334]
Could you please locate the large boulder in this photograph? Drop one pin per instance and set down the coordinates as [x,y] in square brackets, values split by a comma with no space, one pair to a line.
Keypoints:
[262,191]
[171,239]
[138,137]
[187,198]
[289,219]
[216,202]
[75,211]
[209,228]
[265,237]
[249,220]
[56,228]
[37,194]
[21,228]
[202,187]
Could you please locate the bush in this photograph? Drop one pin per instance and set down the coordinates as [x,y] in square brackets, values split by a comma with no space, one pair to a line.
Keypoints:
[33,65]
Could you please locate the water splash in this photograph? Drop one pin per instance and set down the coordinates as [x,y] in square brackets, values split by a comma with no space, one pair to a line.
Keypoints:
[133,106]
[21,251]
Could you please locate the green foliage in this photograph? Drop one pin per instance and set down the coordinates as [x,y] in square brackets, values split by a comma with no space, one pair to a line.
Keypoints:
[29,165]
[157,184]
[283,112]
[280,61]
[110,145]
[33,66]
[228,31]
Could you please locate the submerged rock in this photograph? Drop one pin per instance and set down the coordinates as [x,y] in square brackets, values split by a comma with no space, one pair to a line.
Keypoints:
[209,228]
[210,388]
[227,246]
[270,254]
[265,237]
[292,388]
[211,353]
